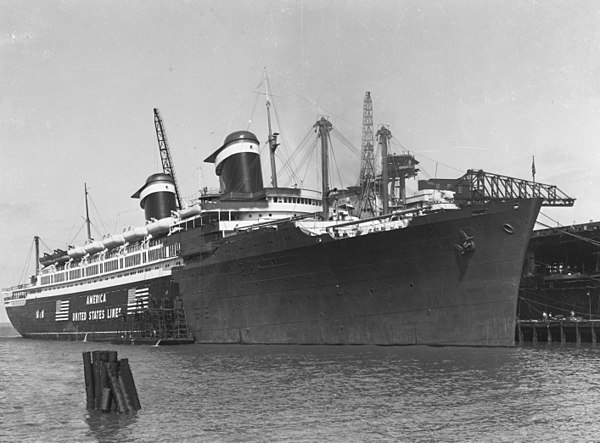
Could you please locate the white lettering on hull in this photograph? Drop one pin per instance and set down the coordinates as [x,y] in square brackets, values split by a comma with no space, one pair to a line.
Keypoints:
[97,314]
[113,312]
[80,316]
[95,299]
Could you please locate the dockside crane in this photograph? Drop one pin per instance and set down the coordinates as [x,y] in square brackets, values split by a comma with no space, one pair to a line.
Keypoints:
[165,154]
[367,200]
[478,186]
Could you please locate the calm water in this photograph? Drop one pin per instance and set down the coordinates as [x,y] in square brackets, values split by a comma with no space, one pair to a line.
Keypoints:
[307,393]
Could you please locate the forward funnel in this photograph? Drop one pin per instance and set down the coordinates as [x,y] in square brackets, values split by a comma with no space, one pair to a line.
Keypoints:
[157,196]
[237,163]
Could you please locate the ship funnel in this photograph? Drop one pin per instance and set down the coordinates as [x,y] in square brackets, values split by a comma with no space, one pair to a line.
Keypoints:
[157,196]
[237,163]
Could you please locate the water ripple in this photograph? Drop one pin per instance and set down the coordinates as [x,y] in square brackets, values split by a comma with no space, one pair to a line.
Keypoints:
[307,393]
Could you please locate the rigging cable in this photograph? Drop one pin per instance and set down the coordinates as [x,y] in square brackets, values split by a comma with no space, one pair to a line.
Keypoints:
[308,156]
[98,216]
[27,262]
[564,231]
[301,149]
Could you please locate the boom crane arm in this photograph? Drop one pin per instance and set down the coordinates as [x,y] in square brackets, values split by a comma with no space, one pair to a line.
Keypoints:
[481,186]
[165,154]
[478,185]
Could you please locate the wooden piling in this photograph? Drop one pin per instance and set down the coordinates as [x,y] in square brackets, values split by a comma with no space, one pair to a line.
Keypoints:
[105,400]
[562,334]
[113,383]
[593,332]
[126,379]
[577,333]
[89,380]
[102,373]
[96,370]
[548,333]
[109,383]
[534,336]
[520,331]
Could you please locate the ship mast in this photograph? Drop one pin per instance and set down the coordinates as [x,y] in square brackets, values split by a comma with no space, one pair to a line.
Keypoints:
[384,135]
[323,127]
[87,215]
[272,137]
[36,242]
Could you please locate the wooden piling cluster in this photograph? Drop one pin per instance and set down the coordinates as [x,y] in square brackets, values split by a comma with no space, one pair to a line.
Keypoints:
[109,384]
[559,331]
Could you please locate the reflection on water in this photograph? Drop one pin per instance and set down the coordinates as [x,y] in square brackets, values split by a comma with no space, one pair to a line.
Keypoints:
[110,427]
[307,393]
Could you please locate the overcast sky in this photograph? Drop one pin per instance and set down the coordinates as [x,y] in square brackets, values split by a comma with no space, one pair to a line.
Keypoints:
[461,84]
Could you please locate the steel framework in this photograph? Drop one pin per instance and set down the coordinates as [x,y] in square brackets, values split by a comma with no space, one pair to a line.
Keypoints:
[165,153]
[367,199]
[478,185]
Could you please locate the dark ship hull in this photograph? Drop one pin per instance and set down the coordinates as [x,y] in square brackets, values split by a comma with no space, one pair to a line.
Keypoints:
[417,285]
[111,313]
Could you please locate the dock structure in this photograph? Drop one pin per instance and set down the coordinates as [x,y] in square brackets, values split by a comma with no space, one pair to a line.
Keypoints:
[557,331]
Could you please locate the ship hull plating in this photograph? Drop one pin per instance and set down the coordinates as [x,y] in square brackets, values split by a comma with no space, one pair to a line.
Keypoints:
[418,285]
[98,315]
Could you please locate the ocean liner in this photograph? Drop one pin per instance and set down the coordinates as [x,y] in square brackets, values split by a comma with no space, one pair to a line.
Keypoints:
[117,288]
[256,264]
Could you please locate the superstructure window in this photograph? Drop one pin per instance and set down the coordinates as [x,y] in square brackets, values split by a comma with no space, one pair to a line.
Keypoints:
[112,265]
[156,254]
[133,260]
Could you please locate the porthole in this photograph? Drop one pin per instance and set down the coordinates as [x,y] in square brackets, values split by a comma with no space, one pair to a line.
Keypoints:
[508,229]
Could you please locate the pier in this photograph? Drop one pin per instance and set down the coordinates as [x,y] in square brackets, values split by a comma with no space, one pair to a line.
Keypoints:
[559,331]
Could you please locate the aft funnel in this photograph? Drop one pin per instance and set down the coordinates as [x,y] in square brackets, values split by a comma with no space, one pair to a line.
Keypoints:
[237,163]
[157,196]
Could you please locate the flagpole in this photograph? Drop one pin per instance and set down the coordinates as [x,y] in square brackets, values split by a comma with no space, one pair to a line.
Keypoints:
[533,167]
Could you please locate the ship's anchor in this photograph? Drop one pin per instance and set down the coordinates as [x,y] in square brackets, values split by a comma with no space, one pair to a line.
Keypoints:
[467,243]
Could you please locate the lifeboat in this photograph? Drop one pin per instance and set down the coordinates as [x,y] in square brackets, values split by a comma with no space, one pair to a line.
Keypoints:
[93,247]
[59,256]
[76,252]
[113,241]
[160,227]
[189,212]
[135,234]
